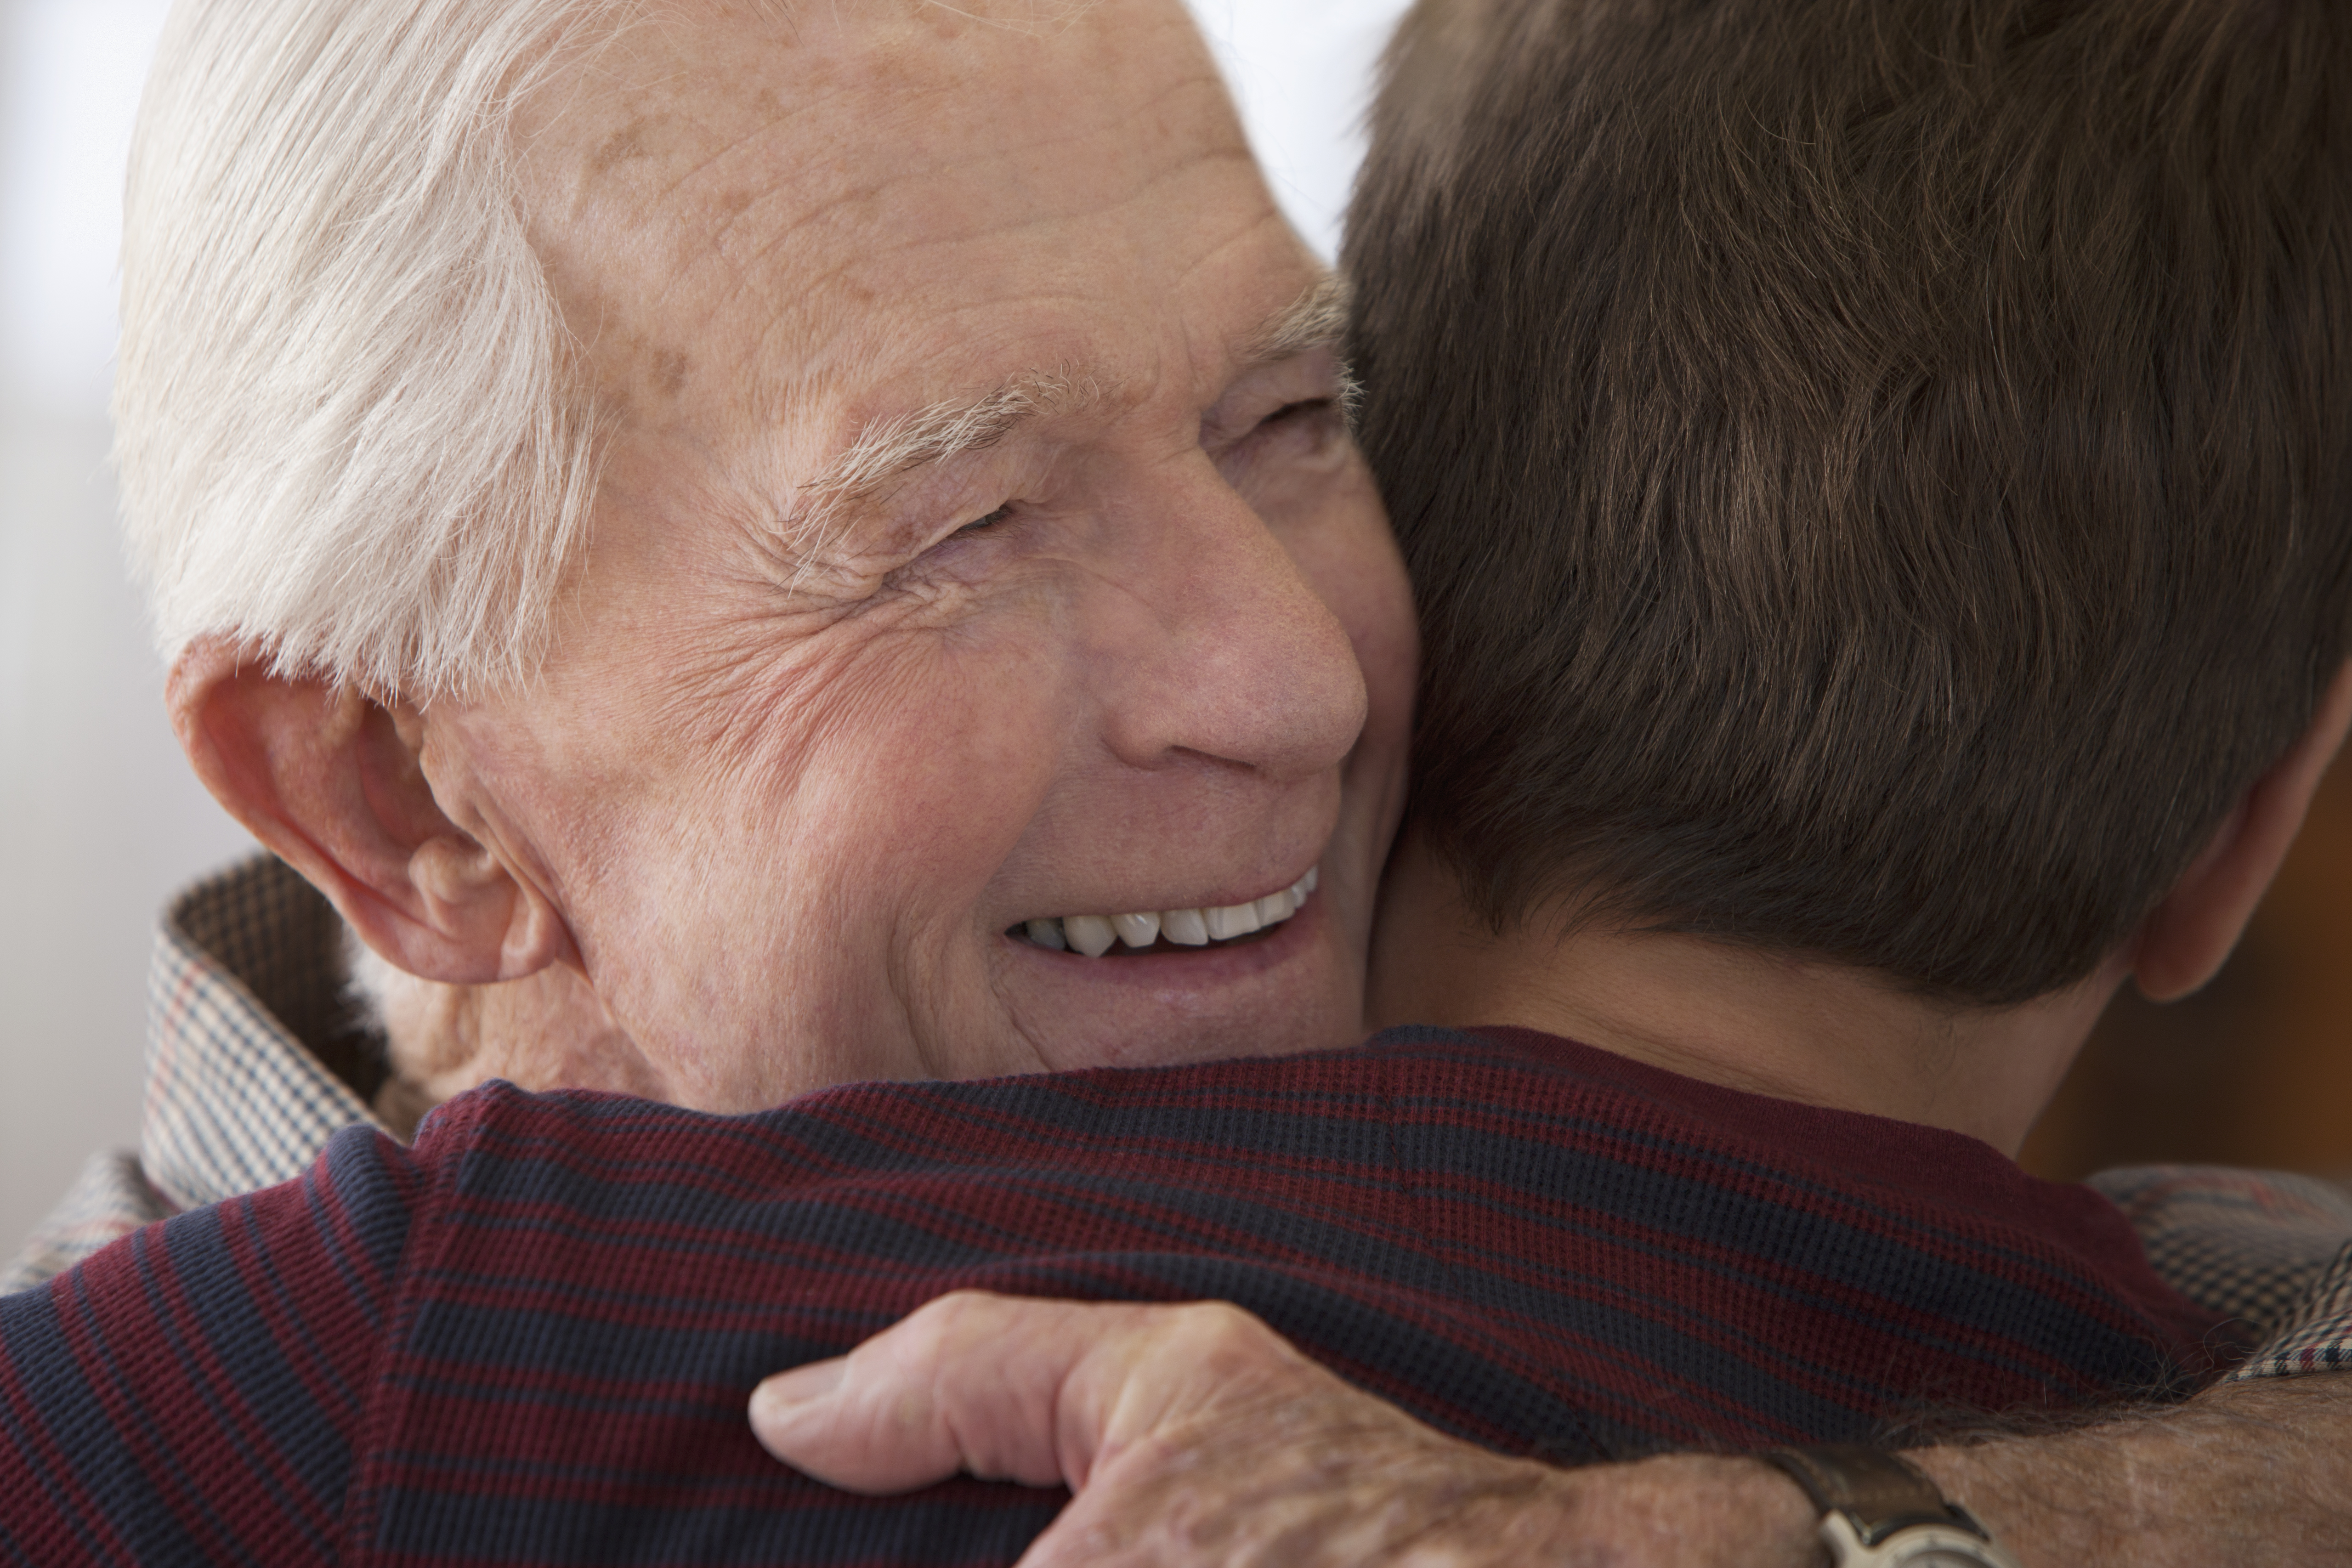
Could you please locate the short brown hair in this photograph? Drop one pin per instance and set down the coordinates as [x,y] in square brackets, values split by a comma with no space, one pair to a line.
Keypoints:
[1876,472]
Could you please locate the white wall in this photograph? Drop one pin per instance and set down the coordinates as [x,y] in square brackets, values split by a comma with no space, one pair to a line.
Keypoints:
[100,818]
[1302,72]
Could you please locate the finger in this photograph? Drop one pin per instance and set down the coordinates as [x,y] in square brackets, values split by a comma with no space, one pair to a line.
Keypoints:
[973,1383]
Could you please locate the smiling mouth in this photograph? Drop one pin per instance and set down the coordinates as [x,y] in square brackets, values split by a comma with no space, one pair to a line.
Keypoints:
[1167,930]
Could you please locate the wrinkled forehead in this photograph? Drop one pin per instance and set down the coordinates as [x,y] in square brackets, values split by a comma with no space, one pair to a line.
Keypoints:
[806,220]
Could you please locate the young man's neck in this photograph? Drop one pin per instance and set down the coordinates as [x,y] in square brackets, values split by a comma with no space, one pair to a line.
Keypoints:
[1795,1029]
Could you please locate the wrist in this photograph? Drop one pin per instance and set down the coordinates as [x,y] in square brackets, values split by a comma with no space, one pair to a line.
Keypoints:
[1878,1509]
[1694,1511]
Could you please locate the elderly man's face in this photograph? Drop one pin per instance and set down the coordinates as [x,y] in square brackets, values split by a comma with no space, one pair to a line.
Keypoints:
[980,544]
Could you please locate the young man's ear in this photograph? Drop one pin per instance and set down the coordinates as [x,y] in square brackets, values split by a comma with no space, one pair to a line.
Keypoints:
[333,783]
[2184,941]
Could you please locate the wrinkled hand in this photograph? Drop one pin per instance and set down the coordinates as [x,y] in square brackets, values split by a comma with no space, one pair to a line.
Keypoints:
[1194,1435]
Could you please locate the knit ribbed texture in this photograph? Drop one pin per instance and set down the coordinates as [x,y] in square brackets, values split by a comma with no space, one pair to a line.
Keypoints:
[530,1339]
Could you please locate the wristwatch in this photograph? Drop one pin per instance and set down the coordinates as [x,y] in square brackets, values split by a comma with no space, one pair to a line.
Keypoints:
[1879,1511]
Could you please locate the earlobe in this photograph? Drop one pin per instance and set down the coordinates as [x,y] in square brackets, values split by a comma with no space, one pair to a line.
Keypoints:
[332,783]
[2185,940]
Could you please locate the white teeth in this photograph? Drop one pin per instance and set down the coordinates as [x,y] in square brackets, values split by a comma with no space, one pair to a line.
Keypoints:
[1233,920]
[1089,934]
[1185,928]
[1096,935]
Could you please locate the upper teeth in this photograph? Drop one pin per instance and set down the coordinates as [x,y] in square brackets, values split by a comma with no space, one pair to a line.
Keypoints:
[1094,934]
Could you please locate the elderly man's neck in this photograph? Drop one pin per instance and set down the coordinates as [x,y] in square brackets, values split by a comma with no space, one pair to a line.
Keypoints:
[1790,1027]
[548,1031]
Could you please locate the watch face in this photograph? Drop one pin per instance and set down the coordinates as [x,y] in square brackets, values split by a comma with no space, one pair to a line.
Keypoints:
[1933,1546]
[1944,1549]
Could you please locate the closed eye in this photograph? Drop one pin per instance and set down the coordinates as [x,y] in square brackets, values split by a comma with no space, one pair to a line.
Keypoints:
[1328,415]
[988,521]
[1314,419]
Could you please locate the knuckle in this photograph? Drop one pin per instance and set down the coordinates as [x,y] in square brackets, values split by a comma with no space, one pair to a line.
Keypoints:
[1228,1324]
[933,1330]
[1221,1332]
[961,1311]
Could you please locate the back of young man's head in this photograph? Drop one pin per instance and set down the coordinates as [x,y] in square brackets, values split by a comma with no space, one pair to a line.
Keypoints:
[1878,473]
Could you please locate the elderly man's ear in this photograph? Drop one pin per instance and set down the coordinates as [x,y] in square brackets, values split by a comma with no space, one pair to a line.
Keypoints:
[335,784]
[2185,939]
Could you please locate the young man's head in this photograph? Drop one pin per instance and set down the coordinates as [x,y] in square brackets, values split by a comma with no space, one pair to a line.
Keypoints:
[1891,488]
[1888,495]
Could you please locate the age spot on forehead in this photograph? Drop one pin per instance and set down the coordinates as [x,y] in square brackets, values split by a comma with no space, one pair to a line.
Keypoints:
[621,146]
[749,229]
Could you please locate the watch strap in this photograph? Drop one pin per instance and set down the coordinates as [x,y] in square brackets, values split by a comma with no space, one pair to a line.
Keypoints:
[1878,1492]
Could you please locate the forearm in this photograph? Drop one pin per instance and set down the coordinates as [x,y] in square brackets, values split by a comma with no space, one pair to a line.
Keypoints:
[2252,1473]
[2256,1472]
[1682,1510]
[1194,1436]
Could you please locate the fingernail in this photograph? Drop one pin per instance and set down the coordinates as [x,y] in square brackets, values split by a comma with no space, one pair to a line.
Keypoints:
[801,1384]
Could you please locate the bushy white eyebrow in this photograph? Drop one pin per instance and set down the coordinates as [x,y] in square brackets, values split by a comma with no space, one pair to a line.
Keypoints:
[949,429]
[889,449]
[1316,319]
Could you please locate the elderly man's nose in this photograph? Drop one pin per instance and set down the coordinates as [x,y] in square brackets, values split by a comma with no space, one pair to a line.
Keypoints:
[1227,651]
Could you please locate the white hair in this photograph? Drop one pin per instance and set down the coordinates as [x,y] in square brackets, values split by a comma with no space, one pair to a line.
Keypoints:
[349,423]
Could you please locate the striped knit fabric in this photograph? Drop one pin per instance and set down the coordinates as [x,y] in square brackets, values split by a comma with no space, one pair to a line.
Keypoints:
[247,986]
[530,1339]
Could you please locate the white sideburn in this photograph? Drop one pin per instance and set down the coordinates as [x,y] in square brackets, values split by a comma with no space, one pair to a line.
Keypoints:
[1096,935]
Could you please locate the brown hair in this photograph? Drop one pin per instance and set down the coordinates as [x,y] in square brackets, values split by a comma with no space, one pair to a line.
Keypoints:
[1875,471]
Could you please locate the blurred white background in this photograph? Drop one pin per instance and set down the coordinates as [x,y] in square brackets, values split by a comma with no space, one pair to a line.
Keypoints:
[100,819]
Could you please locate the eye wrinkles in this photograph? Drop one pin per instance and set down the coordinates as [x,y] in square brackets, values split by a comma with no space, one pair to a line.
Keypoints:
[888,451]
[1288,444]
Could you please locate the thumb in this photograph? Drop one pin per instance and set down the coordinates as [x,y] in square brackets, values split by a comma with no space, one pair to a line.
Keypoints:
[988,1386]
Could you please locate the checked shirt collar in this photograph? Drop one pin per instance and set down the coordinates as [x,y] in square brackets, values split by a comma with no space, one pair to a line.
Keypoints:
[247,1029]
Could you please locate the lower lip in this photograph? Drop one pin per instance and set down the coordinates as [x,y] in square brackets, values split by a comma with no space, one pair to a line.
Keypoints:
[1197,969]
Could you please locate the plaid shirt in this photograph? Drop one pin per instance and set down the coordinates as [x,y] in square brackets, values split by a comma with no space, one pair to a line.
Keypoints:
[246,976]
[255,1060]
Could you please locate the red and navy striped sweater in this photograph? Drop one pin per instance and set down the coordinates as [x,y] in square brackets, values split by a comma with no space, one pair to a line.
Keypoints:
[529,1338]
